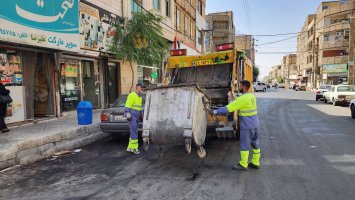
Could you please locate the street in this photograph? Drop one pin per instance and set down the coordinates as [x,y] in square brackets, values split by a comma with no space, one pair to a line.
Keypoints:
[307,147]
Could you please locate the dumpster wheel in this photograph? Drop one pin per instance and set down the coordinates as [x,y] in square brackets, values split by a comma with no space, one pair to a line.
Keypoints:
[188,145]
[145,144]
[201,152]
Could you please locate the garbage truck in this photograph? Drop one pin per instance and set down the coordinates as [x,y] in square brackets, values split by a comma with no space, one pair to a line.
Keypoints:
[179,112]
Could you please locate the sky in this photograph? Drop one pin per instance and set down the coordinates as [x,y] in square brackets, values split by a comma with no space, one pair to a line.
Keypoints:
[267,17]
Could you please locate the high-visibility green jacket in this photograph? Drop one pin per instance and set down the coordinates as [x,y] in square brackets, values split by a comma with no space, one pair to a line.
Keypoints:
[247,111]
[134,101]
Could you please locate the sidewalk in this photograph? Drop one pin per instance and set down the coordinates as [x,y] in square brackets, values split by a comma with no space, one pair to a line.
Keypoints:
[30,143]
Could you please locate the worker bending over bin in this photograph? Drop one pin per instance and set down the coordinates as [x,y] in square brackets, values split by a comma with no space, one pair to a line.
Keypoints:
[133,112]
[248,124]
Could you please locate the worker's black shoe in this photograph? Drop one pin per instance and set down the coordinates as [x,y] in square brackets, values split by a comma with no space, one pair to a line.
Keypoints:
[239,168]
[251,165]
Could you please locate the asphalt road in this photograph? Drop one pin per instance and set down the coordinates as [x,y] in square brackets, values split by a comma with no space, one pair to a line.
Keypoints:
[308,152]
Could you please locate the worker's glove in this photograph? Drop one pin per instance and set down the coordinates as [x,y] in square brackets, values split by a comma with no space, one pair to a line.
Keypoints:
[214,112]
[128,116]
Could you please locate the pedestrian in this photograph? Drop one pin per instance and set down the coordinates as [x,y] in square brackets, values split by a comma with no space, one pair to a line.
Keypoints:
[133,113]
[248,124]
[3,109]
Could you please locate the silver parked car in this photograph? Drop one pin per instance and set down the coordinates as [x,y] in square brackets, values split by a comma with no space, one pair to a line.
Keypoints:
[113,119]
[352,108]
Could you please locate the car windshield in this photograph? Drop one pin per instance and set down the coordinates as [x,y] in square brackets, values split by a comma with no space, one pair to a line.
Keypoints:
[121,101]
[325,87]
[346,89]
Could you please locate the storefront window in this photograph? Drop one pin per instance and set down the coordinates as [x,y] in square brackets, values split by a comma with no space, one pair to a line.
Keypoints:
[69,86]
[91,82]
[10,68]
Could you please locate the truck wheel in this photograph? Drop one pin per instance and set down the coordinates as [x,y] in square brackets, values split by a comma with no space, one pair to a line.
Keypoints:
[353,112]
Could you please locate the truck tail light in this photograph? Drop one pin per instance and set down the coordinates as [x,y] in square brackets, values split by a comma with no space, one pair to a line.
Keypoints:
[224,47]
[104,117]
[178,52]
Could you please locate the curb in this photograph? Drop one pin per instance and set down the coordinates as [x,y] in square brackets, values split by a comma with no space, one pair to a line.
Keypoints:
[35,149]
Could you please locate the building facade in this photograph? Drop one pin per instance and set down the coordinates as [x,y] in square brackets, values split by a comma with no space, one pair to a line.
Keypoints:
[246,43]
[290,69]
[222,29]
[333,36]
[307,52]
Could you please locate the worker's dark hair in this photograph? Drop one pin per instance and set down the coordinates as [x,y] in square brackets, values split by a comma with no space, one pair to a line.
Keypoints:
[139,85]
[245,83]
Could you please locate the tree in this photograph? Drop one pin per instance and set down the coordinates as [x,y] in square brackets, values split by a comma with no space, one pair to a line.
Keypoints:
[280,79]
[140,40]
[256,73]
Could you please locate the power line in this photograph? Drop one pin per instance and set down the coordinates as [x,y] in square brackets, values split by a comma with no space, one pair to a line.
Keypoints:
[273,42]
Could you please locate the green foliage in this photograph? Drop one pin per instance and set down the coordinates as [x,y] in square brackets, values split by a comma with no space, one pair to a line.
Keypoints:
[280,79]
[141,40]
[256,73]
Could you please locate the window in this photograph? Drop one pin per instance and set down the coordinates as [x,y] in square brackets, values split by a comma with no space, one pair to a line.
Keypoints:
[326,37]
[199,36]
[346,33]
[167,8]
[178,27]
[186,26]
[136,6]
[156,4]
[191,30]
[199,7]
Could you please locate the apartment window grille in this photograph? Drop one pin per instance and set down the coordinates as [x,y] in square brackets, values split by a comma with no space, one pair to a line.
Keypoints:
[199,7]
[136,6]
[156,4]
[178,27]
[346,33]
[167,8]
[185,24]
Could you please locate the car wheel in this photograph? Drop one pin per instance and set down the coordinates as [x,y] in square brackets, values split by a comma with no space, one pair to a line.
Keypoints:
[317,99]
[353,112]
[325,100]
[334,102]
[264,90]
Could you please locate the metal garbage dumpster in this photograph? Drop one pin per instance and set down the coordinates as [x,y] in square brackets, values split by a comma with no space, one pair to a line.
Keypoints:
[176,115]
[84,113]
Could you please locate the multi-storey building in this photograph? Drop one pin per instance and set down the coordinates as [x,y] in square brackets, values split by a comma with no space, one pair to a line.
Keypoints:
[333,36]
[246,43]
[290,68]
[222,29]
[307,52]
[200,25]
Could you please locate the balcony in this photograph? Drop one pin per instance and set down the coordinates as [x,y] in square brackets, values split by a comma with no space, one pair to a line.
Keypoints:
[334,60]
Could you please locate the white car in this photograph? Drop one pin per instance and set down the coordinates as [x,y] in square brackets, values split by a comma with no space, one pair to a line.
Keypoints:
[340,94]
[260,87]
[352,108]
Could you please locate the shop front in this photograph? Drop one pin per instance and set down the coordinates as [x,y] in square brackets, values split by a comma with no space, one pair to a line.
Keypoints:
[147,75]
[335,74]
[27,62]
[79,81]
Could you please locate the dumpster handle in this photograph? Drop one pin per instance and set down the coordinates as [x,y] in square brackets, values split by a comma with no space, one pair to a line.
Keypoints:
[204,102]
[148,110]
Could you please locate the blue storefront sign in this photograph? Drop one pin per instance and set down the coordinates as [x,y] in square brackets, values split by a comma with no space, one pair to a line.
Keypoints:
[46,23]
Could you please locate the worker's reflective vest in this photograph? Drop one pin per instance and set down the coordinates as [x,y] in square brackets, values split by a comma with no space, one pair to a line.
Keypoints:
[247,111]
[134,101]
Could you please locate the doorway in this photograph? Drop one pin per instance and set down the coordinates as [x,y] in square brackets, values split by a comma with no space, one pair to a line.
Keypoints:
[112,82]
[91,82]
